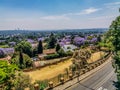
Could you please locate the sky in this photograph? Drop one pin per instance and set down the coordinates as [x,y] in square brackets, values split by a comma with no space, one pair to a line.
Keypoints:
[57,14]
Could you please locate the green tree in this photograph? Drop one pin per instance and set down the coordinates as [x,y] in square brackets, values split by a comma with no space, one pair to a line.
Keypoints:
[35,52]
[25,47]
[2,53]
[62,53]
[40,47]
[52,41]
[113,36]
[57,47]
[7,73]
[26,63]
[99,38]
[21,59]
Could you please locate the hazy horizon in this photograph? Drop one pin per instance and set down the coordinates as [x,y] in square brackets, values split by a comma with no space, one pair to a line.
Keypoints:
[53,29]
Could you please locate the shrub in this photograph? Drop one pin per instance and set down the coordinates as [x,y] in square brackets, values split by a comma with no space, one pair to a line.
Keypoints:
[42,84]
[62,53]
[27,61]
[51,56]
[69,53]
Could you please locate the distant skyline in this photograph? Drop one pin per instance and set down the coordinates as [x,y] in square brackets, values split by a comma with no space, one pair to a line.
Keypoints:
[57,14]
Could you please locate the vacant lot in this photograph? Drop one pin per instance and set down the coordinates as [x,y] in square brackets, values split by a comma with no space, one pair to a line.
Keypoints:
[54,70]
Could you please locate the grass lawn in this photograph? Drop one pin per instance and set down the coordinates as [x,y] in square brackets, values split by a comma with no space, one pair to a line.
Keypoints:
[54,70]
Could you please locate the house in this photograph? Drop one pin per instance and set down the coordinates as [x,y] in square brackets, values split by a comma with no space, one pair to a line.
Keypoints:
[69,47]
[49,51]
[46,52]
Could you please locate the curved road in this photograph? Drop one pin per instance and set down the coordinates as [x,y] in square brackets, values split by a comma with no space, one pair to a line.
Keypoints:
[103,79]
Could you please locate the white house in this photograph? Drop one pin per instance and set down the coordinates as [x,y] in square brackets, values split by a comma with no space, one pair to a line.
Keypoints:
[69,47]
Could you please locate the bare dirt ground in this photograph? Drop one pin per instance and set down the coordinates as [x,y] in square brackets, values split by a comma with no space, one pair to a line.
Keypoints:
[54,70]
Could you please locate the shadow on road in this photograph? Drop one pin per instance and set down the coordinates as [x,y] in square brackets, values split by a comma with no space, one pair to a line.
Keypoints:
[117,85]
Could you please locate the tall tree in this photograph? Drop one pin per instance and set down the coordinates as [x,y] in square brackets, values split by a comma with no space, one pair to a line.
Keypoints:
[57,47]
[52,41]
[40,47]
[113,36]
[99,38]
[21,59]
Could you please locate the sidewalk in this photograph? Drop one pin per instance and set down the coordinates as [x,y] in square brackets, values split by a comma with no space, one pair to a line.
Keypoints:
[75,80]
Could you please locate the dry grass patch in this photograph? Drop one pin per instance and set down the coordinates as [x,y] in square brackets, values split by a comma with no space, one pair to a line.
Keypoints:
[96,56]
[49,71]
[54,70]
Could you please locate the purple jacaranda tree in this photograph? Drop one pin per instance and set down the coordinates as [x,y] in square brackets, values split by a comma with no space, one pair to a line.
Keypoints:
[2,53]
[40,39]
[79,41]
[61,43]
[9,50]
[64,41]
[94,40]
[30,40]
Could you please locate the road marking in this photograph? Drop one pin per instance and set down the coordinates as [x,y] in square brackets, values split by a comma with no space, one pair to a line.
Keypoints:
[101,88]
[91,75]
[104,80]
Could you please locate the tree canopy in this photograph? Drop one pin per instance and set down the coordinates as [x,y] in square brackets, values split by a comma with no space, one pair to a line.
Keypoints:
[57,47]
[40,47]
[113,37]
[26,61]
[7,72]
[52,41]
[25,46]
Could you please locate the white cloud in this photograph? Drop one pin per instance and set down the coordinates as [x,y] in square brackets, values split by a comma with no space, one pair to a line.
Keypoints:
[66,16]
[85,11]
[59,17]
[89,10]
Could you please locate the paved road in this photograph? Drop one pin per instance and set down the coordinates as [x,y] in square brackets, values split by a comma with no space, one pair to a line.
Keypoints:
[101,80]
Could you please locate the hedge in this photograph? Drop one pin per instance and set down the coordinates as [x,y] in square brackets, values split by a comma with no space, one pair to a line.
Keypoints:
[52,56]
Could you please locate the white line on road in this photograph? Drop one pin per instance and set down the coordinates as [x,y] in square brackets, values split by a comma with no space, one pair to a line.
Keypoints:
[103,81]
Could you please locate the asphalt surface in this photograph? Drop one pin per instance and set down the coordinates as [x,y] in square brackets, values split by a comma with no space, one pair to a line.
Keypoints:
[103,79]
